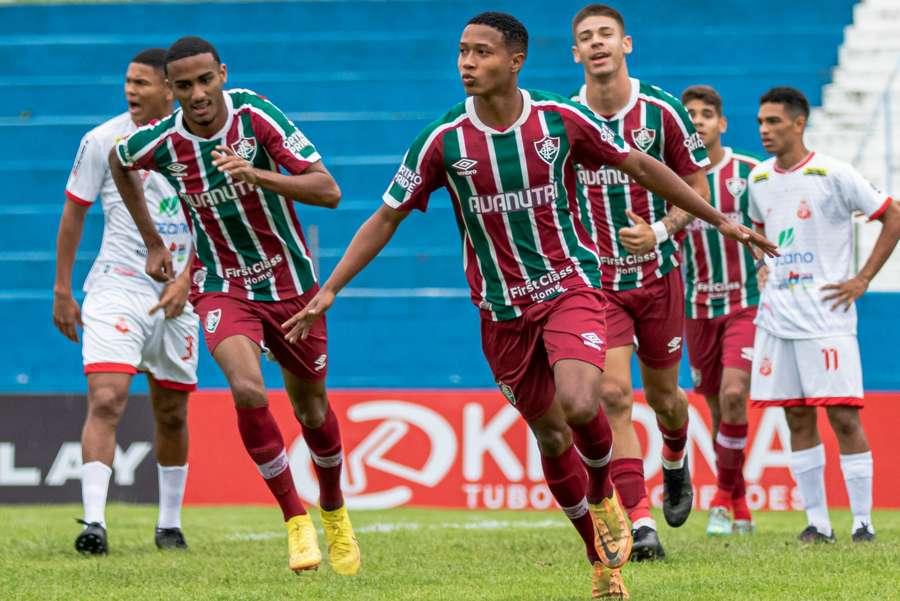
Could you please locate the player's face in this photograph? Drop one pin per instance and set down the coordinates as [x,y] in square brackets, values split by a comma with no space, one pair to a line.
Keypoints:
[777,129]
[486,65]
[707,121]
[600,46]
[146,93]
[197,83]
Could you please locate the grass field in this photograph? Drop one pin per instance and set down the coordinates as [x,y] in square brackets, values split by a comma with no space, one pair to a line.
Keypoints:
[239,553]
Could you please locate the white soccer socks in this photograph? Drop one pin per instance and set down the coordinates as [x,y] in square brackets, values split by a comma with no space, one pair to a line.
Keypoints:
[171,494]
[94,486]
[808,469]
[857,469]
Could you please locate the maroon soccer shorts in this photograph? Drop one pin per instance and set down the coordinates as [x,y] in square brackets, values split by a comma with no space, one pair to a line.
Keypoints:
[651,317]
[522,352]
[222,316]
[716,343]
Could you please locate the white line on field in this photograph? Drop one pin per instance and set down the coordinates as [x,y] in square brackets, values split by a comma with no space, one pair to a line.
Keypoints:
[401,526]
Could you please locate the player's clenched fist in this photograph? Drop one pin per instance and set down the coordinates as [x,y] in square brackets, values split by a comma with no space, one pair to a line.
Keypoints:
[298,326]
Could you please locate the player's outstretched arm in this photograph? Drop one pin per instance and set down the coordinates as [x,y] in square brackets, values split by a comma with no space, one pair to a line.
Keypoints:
[662,181]
[159,261]
[66,312]
[314,186]
[175,295]
[368,241]
[847,292]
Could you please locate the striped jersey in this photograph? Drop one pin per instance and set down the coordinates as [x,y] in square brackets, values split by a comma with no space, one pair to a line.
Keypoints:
[248,240]
[514,196]
[655,123]
[719,273]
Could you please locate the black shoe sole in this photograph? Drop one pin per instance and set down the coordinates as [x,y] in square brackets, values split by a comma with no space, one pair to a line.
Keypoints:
[639,554]
[90,544]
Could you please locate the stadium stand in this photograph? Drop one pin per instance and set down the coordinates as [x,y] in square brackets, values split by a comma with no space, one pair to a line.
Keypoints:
[360,78]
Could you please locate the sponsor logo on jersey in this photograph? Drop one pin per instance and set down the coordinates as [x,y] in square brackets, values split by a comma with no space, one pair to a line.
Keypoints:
[547,148]
[797,258]
[718,289]
[257,272]
[765,367]
[407,179]
[626,260]
[605,176]
[168,207]
[543,287]
[819,171]
[736,186]
[177,169]
[217,196]
[607,135]
[507,391]
[245,148]
[296,143]
[517,200]
[674,344]
[693,142]
[465,167]
[643,138]
[212,320]
[803,210]
[747,353]
[786,237]
[80,156]
[761,177]
[593,340]
[122,325]
[794,280]
[321,361]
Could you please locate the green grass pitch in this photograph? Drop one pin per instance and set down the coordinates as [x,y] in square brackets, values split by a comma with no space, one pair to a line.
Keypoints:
[240,554]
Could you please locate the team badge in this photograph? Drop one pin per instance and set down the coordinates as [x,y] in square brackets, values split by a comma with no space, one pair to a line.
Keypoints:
[122,325]
[736,186]
[643,138]
[177,169]
[547,148]
[765,368]
[803,210]
[199,277]
[212,320]
[465,167]
[507,392]
[245,148]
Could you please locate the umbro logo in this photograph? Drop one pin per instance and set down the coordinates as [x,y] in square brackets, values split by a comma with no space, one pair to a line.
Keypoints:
[465,167]
[592,340]
[320,362]
[177,169]
[674,344]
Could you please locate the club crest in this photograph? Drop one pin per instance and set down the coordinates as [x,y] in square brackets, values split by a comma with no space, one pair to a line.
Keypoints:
[736,186]
[507,391]
[547,148]
[245,148]
[212,320]
[643,138]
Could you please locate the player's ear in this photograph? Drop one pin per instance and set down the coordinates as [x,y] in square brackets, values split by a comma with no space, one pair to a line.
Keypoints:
[516,61]
[575,55]
[627,46]
[223,71]
[723,124]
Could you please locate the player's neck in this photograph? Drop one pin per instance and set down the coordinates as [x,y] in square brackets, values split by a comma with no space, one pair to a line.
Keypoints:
[791,157]
[609,94]
[210,129]
[716,154]
[499,111]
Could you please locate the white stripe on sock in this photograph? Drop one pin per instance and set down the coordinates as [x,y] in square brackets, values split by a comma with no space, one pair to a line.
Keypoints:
[272,468]
[731,442]
[330,461]
[595,462]
[576,511]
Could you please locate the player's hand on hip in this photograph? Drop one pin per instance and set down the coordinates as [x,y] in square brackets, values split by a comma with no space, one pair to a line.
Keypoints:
[845,293]
[173,298]
[159,263]
[298,326]
[752,240]
[67,315]
[228,162]
[639,238]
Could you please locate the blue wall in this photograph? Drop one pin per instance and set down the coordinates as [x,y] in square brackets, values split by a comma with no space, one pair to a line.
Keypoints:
[361,78]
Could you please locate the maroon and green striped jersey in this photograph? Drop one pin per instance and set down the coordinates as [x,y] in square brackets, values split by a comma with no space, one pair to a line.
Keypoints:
[248,239]
[514,196]
[720,274]
[655,123]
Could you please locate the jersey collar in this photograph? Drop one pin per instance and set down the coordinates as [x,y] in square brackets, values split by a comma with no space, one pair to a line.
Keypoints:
[726,158]
[473,116]
[183,131]
[805,160]
[632,100]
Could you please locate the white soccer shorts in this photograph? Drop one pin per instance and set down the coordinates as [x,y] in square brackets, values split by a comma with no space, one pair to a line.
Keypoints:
[807,372]
[120,336]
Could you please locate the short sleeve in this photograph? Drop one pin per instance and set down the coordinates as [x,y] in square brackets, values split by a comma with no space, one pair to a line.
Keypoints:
[753,208]
[283,140]
[593,142]
[860,195]
[138,149]
[684,152]
[88,172]
[421,173]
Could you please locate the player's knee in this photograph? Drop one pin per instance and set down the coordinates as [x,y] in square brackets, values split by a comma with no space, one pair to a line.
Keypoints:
[312,414]
[248,392]
[616,400]
[845,424]
[733,399]
[553,442]
[171,418]
[800,420]
[106,404]
[580,404]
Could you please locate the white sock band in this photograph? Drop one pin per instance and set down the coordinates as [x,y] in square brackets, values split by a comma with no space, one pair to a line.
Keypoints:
[94,488]
[330,461]
[172,480]
[595,462]
[576,511]
[272,468]
[858,469]
[808,469]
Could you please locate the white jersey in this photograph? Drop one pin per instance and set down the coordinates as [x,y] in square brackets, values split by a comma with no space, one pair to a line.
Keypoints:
[808,211]
[122,257]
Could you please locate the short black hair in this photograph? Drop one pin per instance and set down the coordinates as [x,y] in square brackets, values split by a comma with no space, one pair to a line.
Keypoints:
[515,36]
[795,103]
[705,94]
[152,57]
[190,46]
[598,10]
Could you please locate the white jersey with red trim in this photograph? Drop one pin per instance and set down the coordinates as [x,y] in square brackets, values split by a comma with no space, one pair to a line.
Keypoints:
[122,257]
[808,210]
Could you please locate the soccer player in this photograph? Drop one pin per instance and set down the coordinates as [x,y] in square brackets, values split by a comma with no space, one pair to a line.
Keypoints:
[721,295]
[637,232]
[507,157]
[222,152]
[806,354]
[130,322]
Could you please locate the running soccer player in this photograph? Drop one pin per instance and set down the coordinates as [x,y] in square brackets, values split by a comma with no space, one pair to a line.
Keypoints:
[130,322]
[507,158]
[721,295]
[806,354]
[637,232]
[222,152]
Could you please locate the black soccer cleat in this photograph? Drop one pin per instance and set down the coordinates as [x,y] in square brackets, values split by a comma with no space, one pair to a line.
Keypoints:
[170,538]
[812,536]
[863,534]
[91,540]
[678,495]
[646,546]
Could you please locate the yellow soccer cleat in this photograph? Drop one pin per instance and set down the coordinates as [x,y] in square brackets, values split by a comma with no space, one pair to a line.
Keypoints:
[343,548]
[607,583]
[612,536]
[303,544]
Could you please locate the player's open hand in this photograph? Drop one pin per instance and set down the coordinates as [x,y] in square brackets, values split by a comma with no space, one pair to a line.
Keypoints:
[173,298]
[227,161]
[845,293]
[749,238]
[66,315]
[298,326]
[159,263]
[639,238]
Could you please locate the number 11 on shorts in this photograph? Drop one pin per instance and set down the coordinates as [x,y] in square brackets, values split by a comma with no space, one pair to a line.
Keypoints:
[831,358]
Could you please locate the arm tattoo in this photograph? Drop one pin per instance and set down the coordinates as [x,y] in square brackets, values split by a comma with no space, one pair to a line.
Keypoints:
[676,220]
